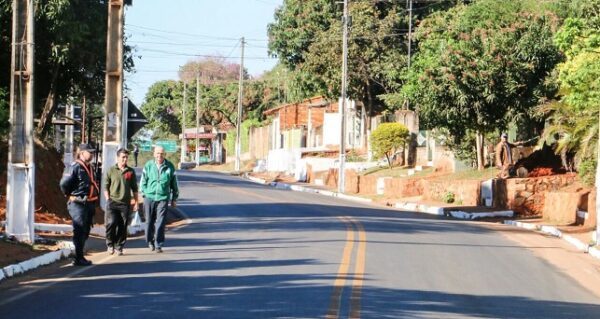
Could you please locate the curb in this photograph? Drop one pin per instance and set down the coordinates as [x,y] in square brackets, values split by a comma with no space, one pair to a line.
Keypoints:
[45,259]
[298,188]
[553,231]
[439,211]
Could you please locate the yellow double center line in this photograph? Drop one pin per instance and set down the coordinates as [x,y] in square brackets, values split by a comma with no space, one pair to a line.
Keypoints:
[357,276]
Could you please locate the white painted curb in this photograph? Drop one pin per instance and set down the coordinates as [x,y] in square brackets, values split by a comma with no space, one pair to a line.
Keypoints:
[298,188]
[553,231]
[476,215]
[45,259]
[422,208]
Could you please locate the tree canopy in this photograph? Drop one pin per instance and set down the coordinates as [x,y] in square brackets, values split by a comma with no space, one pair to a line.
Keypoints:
[70,46]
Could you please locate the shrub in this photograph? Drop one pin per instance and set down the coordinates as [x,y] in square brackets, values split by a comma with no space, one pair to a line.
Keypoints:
[449,197]
[387,138]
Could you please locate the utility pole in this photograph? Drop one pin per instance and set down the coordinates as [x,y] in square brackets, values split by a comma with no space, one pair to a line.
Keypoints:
[410,10]
[342,105]
[238,141]
[114,135]
[84,138]
[20,186]
[598,189]
[183,141]
[198,118]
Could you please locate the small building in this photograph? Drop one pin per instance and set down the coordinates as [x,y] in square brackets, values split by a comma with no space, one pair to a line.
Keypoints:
[210,144]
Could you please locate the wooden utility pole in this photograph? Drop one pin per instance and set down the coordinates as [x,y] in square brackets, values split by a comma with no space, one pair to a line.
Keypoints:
[238,141]
[342,104]
[20,186]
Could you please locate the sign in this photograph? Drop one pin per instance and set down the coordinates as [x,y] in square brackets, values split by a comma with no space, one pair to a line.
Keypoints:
[169,146]
[421,138]
[145,146]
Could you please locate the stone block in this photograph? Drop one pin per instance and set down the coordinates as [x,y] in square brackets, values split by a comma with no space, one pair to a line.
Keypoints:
[560,207]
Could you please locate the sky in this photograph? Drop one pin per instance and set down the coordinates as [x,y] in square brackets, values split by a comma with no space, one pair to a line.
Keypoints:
[167,34]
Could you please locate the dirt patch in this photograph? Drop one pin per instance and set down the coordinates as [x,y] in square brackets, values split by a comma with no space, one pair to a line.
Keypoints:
[13,253]
[50,203]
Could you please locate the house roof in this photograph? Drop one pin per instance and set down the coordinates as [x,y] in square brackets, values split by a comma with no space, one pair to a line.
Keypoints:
[317,101]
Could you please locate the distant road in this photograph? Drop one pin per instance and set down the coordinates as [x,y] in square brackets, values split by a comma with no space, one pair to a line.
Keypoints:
[256,252]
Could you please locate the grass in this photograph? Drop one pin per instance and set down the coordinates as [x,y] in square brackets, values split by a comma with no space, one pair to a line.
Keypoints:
[246,166]
[472,174]
[396,172]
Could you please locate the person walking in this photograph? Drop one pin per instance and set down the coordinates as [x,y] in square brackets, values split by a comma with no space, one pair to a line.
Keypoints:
[136,152]
[81,190]
[159,187]
[121,184]
[504,156]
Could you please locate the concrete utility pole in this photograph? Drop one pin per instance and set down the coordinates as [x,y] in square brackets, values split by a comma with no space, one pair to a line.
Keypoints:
[20,186]
[197,119]
[183,140]
[238,141]
[113,106]
[342,105]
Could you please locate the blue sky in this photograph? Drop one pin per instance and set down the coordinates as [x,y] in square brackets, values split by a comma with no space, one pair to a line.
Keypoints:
[167,34]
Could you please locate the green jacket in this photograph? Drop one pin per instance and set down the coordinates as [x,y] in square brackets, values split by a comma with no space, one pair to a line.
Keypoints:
[159,186]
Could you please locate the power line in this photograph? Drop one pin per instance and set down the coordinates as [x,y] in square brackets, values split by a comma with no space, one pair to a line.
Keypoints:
[191,34]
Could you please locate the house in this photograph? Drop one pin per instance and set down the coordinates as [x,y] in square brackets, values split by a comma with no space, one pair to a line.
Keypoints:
[310,125]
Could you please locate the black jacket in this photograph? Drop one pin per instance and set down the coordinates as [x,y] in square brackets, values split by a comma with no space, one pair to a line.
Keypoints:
[77,182]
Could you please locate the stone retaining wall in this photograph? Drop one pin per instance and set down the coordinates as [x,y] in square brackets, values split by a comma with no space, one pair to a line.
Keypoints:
[466,192]
[526,196]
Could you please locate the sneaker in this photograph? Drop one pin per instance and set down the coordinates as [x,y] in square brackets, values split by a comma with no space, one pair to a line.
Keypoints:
[111,250]
[120,252]
[151,246]
[159,249]
[81,262]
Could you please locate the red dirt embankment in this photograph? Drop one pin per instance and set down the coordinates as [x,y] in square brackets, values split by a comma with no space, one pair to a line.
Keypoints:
[50,203]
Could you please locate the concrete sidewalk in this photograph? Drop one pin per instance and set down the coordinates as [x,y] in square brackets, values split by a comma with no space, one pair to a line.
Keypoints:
[95,244]
[470,213]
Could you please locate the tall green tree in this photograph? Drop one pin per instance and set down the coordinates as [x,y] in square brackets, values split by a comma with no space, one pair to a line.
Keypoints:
[162,101]
[70,46]
[575,118]
[481,65]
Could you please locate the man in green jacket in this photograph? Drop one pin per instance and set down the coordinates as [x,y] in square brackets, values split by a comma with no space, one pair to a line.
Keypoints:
[120,185]
[158,186]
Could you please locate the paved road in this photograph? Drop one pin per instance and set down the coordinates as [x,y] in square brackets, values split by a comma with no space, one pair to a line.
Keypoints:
[255,252]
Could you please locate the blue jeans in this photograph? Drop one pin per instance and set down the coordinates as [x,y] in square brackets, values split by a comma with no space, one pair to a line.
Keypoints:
[82,215]
[155,213]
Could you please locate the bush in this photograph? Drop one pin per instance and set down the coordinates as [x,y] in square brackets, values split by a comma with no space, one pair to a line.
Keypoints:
[587,171]
[387,138]
[449,197]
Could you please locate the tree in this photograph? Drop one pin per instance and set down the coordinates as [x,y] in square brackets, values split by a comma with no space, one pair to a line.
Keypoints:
[575,118]
[162,100]
[311,47]
[70,52]
[481,65]
[387,138]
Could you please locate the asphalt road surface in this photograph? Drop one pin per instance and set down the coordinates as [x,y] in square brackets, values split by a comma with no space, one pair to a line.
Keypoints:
[251,251]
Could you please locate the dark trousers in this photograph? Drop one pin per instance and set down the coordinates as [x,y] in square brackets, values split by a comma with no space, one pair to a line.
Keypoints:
[117,219]
[82,215]
[155,213]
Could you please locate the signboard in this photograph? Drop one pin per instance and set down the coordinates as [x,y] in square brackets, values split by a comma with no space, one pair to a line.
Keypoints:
[169,146]
[145,146]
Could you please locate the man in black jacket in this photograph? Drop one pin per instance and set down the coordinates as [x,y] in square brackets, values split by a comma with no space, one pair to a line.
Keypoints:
[81,189]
